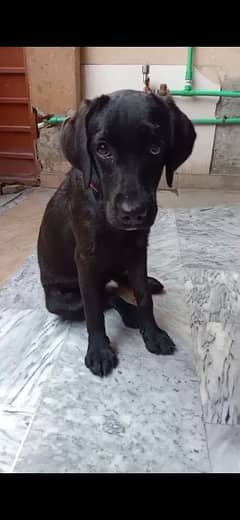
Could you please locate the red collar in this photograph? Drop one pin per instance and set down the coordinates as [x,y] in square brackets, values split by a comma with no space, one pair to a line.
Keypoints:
[94,187]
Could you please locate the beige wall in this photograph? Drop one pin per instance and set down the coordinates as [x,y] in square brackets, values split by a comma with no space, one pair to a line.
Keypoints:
[60,76]
[213,62]
[132,55]
[100,79]
[54,72]
[105,69]
[54,77]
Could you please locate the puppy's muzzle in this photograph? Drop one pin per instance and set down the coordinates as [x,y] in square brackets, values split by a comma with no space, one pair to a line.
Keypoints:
[131,214]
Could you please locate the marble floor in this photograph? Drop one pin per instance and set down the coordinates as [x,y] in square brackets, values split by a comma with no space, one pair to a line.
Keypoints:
[153,414]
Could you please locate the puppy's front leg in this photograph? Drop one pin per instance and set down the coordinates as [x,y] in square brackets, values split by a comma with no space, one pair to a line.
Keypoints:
[156,340]
[100,358]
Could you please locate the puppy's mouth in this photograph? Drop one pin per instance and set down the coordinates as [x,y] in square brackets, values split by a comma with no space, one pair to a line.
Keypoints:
[142,228]
[129,226]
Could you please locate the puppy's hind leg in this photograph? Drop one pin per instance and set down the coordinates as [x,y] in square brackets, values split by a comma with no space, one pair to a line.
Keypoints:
[69,306]
[66,304]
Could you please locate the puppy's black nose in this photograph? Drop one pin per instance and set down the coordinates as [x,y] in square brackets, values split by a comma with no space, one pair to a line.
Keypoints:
[131,213]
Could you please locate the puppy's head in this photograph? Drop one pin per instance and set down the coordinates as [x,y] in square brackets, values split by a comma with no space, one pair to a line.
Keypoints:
[126,138]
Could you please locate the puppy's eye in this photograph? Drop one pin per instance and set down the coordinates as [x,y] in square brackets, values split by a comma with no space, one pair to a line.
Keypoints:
[154,149]
[104,150]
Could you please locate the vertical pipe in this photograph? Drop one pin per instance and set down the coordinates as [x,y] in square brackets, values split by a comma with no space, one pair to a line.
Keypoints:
[189,69]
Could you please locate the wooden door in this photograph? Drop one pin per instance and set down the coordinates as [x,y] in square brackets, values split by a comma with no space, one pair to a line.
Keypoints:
[18,127]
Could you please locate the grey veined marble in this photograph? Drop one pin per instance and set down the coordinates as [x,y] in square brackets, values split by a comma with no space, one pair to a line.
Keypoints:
[209,238]
[224,448]
[23,290]
[145,417]
[213,295]
[13,429]
[217,349]
[29,344]
[164,258]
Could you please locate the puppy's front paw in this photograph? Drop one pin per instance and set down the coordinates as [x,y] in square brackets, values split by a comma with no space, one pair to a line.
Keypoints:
[101,360]
[159,342]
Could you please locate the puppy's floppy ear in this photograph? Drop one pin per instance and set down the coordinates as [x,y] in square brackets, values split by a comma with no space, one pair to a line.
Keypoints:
[182,139]
[74,139]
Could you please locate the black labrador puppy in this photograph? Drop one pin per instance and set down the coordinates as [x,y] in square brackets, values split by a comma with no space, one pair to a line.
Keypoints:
[96,225]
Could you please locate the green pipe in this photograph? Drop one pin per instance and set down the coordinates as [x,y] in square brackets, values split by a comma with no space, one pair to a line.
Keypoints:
[189,70]
[216,121]
[197,121]
[54,120]
[189,91]
[216,93]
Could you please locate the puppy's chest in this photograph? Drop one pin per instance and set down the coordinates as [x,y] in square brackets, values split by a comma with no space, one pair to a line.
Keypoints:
[115,249]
